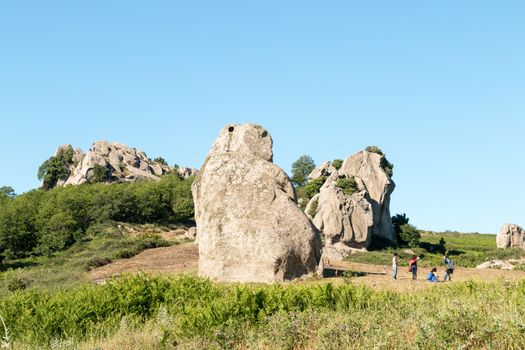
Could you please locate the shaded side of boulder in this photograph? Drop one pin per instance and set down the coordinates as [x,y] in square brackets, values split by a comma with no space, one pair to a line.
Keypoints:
[249,226]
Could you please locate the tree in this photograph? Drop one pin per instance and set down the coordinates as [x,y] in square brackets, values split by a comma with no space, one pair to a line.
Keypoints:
[410,234]
[160,160]
[6,193]
[55,168]
[337,163]
[397,221]
[301,168]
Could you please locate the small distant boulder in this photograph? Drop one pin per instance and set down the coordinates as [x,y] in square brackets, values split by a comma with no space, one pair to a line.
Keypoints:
[249,226]
[496,264]
[511,236]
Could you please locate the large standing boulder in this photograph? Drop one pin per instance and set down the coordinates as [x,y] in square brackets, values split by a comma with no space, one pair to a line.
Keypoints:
[369,170]
[249,225]
[511,236]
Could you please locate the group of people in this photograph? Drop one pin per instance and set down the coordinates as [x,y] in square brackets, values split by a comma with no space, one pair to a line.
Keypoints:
[432,275]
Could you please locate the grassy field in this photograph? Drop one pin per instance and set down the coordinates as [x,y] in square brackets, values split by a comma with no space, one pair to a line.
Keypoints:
[145,312]
[60,309]
[466,249]
[68,268]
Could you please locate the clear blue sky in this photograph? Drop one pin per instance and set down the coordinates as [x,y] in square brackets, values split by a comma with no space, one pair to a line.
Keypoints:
[438,85]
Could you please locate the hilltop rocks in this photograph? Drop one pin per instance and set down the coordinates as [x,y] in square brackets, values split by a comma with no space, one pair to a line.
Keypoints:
[511,236]
[250,228]
[351,218]
[120,162]
[109,162]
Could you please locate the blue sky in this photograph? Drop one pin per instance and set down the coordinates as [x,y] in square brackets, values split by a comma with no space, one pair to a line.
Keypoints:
[438,85]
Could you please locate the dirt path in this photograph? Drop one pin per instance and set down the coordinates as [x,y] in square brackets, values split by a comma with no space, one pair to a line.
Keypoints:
[183,258]
[180,258]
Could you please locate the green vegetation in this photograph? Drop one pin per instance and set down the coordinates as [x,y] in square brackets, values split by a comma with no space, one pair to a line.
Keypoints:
[337,163]
[466,249]
[160,160]
[348,185]
[397,221]
[55,168]
[385,164]
[301,168]
[100,173]
[63,270]
[313,208]
[308,191]
[410,235]
[42,222]
[141,311]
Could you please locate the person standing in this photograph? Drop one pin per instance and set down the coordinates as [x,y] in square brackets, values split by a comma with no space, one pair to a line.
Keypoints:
[450,268]
[394,266]
[412,263]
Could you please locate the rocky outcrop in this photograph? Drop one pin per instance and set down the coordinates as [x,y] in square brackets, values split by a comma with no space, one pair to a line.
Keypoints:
[345,220]
[249,226]
[118,163]
[368,168]
[352,207]
[325,169]
[111,162]
[511,236]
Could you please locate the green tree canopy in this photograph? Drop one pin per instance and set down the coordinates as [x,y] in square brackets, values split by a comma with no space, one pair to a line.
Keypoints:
[301,168]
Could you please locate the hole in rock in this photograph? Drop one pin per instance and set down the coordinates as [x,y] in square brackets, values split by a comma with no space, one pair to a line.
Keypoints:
[231,128]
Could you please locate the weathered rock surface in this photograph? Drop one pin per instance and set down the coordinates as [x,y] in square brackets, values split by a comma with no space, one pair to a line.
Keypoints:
[511,236]
[496,264]
[249,226]
[324,169]
[345,220]
[367,168]
[351,221]
[120,163]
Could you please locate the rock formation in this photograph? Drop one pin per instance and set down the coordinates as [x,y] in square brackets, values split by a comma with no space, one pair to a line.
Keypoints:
[324,169]
[114,162]
[350,218]
[511,236]
[250,228]
[368,168]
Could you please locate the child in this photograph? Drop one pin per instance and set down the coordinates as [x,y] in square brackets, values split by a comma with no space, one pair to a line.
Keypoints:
[450,268]
[394,266]
[412,263]
[432,275]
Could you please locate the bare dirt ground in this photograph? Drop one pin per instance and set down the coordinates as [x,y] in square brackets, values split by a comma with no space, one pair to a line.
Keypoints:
[183,258]
[180,258]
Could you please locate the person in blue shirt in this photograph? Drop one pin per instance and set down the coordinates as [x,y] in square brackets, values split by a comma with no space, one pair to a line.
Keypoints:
[432,276]
[450,268]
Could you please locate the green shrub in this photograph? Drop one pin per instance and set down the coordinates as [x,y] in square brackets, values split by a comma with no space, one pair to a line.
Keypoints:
[313,208]
[100,174]
[410,234]
[374,149]
[348,185]
[97,262]
[337,163]
[17,284]
[308,191]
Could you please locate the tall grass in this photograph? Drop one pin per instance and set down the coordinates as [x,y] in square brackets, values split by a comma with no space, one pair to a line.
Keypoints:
[195,313]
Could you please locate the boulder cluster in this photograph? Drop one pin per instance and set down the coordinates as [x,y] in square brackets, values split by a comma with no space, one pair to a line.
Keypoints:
[114,162]
[351,209]
[250,226]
